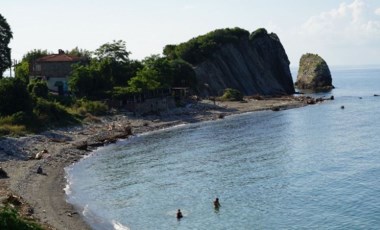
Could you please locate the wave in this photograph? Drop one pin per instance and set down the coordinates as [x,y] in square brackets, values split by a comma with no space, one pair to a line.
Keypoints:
[69,179]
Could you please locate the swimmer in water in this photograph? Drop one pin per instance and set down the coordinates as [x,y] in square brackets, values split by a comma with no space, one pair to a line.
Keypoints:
[216,203]
[179,214]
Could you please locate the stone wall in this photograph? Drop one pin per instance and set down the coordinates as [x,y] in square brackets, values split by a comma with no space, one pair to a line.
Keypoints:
[152,105]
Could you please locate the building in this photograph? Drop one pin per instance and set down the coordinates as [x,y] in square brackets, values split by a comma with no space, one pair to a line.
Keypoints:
[55,69]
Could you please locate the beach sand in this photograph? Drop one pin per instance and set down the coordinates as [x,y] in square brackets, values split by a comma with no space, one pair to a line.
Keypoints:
[43,195]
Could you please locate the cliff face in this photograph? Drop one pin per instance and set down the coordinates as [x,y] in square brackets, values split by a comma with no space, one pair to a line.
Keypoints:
[256,64]
[313,73]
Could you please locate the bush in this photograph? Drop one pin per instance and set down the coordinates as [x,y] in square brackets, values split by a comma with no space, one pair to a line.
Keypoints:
[120,93]
[51,113]
[9,219]
[231,95]
[13,96]
[38,88]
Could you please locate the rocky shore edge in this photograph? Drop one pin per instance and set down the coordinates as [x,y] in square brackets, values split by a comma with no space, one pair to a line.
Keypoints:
[41,196]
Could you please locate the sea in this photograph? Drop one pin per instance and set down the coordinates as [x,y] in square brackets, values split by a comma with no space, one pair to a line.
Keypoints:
[315,167]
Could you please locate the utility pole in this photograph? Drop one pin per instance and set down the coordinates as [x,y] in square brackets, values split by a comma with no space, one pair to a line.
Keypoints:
[15,63]
[10,69]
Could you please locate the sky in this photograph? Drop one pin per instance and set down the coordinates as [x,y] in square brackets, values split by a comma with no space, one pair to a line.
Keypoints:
[343,32]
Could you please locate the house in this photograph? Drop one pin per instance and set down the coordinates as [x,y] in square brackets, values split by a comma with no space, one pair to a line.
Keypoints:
[55,69]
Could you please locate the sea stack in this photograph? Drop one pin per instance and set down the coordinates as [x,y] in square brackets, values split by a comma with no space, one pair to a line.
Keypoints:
[313,74]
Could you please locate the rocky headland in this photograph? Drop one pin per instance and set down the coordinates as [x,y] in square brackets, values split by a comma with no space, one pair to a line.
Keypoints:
[253,63]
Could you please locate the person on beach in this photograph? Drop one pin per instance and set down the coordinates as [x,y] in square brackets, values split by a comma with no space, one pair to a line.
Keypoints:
[216,203]
[179,214]
[39,170]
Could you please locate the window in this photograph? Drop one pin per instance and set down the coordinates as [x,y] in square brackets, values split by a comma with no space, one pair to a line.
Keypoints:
[38,67]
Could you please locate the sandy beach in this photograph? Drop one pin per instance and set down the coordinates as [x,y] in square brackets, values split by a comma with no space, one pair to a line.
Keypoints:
[42,195]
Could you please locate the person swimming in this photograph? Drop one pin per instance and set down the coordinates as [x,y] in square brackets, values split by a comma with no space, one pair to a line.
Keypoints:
[216,203]
[179,214]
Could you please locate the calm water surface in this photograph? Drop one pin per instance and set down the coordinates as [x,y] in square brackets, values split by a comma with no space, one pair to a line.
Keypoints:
[316,167]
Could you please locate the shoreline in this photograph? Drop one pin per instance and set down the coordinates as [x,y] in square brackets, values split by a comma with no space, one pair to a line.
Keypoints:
[43,196]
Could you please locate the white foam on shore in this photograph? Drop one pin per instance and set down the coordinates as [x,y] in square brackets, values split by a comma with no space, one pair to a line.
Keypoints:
[85,210]
[163,129]
[69,179]
[117,226]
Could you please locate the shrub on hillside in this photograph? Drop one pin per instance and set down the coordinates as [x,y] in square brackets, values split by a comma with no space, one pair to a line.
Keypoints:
[231,95]
[53,113]
[9,219]
[38,88]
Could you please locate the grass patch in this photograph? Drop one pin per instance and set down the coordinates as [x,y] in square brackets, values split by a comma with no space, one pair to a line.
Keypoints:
[12,125]
[13,130]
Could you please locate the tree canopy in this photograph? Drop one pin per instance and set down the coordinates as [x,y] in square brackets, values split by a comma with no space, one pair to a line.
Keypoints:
[80,53]
[32,55]
[199,48]
[22,68]
[160,72]
[116,51]
[110,68]
[5,51]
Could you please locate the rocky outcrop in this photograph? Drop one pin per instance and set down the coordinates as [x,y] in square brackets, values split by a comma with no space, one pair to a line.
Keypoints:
[255,64]
[313,73]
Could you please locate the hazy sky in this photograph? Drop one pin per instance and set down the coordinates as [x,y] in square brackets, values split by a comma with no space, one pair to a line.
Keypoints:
[343,32]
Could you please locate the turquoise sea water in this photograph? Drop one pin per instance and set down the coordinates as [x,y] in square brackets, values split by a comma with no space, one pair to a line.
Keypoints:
[316,167]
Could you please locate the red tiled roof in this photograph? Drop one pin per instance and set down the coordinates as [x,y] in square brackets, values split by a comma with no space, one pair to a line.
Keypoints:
[59,58]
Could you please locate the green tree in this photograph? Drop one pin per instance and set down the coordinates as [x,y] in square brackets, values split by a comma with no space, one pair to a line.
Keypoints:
[163,69]
[81,80]
[90,80]
[146,79]
[115,51]
[183,74]
[5,51]
[13,96]
[22,68]
[115,62]
[22,71]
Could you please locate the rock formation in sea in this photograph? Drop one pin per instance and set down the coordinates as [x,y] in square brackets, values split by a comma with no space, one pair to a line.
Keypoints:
[313,73]
[253,63]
